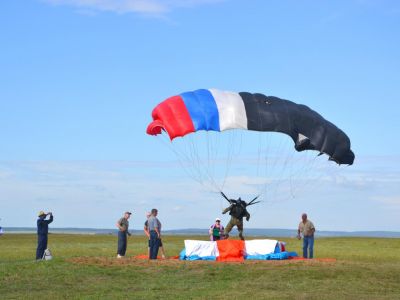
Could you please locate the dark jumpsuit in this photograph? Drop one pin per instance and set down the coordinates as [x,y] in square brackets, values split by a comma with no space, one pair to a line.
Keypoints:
[42,231]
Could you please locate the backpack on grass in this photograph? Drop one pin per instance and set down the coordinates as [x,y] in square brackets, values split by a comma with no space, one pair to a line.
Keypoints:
[47,255]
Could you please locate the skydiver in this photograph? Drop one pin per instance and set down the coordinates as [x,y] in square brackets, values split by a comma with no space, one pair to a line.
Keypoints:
[237,211]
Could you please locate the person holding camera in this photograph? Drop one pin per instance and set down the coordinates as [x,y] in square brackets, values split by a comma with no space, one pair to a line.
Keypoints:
[42,232]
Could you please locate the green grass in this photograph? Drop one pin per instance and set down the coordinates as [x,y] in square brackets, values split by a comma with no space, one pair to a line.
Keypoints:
[85,267]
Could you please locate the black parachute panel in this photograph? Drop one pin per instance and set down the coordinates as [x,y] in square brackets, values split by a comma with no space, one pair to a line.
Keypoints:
[308,129]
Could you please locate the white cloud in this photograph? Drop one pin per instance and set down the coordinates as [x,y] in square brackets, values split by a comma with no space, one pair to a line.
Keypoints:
[177,208]
[95,193]
[146,7]
[392,202]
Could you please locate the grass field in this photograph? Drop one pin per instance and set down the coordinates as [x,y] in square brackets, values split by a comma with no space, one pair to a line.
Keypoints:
[85,267]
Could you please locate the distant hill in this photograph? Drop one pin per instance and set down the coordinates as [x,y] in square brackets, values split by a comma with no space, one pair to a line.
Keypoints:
[256,232]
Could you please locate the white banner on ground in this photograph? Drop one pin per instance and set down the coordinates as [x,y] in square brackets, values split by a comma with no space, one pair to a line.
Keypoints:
[201,248]
[260,247]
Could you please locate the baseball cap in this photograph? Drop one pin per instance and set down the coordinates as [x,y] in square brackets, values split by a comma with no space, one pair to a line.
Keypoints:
[128,212]
[218,219]
[41,213]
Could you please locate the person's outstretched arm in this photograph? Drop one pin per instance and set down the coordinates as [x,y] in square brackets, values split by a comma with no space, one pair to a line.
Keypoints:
[227,209]
[51,218]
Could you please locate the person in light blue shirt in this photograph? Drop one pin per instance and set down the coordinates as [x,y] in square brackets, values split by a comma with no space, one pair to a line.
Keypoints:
[154,226]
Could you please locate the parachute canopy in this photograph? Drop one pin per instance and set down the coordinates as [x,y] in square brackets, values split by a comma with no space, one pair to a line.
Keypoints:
[214,110]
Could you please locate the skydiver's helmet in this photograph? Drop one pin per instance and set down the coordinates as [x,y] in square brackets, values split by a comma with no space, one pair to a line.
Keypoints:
[241,202]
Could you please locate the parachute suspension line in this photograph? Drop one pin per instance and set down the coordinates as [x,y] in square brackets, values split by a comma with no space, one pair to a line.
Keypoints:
[267,161]
[262,191]
[302,173]
[211,152]
[219,153]
[278,164]
[183,159]
[199,165]
[212,161]
[201,169]
[230,153]
[195,148]
[190,161]
[293,174]
[309,178]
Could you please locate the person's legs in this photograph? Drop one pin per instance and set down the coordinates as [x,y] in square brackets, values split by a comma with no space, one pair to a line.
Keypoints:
[311,247]
[228,229]
[121,243]
[151,245]
[305,246]
[42,244]
[157,247]
[124,244]
[154,244]
[38,251]
[240,229]
[162,249]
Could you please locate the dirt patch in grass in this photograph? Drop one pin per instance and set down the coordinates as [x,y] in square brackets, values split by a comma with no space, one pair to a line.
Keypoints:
[134,261]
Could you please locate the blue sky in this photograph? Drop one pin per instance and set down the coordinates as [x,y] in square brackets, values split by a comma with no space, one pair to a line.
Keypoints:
[79,79]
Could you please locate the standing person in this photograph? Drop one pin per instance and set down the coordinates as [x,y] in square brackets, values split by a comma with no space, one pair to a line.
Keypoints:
[216,231]
[123,227]
[306,227]
[154,227]
[147,232]
[42,232]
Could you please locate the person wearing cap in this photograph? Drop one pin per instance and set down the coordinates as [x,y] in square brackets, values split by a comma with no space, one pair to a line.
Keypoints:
[123,232]
[42,232]
[307,228]
[216,230]
[147,232]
